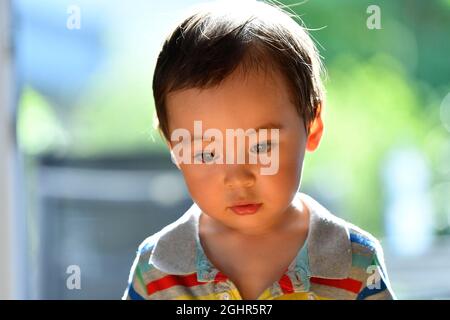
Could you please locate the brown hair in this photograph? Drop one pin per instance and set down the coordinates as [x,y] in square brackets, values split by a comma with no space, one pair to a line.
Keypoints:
[212,42]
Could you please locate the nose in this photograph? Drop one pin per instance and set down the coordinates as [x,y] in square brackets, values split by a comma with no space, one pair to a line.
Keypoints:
[239,176]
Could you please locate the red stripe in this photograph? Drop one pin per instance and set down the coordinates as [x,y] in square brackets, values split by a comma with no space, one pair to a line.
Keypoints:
[286,284]
[220,277]
[346,284]
[172,280]
[178,280]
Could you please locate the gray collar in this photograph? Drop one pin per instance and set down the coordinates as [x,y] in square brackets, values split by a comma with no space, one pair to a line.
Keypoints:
[327,253]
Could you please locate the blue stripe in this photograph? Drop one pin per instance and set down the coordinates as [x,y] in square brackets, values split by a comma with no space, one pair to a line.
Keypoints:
[367,292]
[354,237]
[133,294]
[145,247]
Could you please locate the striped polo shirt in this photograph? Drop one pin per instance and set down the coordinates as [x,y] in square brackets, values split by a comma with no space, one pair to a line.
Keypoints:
[337,261]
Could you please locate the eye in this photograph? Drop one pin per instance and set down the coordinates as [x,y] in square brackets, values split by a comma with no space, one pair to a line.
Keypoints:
[205,157]
[261,147]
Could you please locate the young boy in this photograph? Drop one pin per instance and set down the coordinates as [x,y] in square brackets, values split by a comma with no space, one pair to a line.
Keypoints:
[249,234]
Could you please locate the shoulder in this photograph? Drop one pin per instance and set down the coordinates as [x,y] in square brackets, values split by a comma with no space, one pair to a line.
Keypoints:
[341,250]
[142,268]
[364,244]
[145,249]
[367,270]
[332,231]
[143,271]
[162,257]
[157,250]
[170,251]
[368,265]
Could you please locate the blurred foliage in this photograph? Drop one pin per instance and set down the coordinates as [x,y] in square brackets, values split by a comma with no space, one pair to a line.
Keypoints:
[384,91]
[363,122]
[38,129]
[115,117]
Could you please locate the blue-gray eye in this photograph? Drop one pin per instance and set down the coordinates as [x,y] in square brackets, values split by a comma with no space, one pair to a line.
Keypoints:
[205,157]
[261,147]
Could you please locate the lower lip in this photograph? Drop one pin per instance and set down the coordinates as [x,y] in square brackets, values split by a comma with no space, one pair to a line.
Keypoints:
[246,209]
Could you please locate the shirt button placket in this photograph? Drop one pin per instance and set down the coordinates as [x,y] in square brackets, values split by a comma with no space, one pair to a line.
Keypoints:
[221,290]
[225,296]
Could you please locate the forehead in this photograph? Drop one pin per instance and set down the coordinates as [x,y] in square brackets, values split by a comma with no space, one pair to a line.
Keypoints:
[243,100]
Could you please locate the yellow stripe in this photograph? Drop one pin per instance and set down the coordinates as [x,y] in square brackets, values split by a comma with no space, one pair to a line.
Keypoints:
[300,296]
[213,296]
[266,295]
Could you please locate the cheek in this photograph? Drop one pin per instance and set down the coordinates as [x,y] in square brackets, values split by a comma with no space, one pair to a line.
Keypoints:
[290,168]
[286,180]
[281,187]
[293,161]
[201,182]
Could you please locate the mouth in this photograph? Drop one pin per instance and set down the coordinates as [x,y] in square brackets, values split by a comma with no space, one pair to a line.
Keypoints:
[246,208]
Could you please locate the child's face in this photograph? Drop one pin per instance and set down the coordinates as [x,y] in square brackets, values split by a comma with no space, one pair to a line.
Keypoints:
[242,101]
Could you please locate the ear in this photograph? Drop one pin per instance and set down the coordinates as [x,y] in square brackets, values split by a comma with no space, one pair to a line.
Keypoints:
[315,132]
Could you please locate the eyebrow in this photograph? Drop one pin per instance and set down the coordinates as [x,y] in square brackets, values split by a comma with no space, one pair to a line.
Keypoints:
[269,125]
